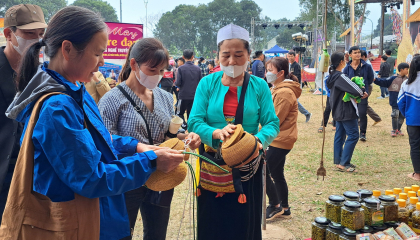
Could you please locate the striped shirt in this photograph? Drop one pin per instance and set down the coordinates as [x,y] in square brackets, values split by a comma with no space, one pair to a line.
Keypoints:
[121,118]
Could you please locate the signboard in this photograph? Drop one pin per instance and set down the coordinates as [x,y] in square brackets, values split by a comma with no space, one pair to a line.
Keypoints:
[111,71]
[2,38]
[120,37]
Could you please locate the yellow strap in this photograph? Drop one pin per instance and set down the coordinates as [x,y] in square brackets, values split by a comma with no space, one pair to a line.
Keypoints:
[197,169]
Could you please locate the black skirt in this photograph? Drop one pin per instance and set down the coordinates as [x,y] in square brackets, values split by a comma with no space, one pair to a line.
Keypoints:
[225,218]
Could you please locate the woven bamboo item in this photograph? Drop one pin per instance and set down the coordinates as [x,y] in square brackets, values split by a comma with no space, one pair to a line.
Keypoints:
[160,181]
[239,148]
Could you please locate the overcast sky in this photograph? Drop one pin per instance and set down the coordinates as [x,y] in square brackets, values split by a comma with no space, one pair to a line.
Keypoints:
[133,10]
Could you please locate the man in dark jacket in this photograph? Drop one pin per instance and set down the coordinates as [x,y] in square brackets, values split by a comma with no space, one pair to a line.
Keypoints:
[384,71]
[188,77]
[258,68]
[24,24]
[359,68]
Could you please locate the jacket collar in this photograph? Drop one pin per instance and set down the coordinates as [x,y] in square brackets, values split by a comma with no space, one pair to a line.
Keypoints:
[362,62]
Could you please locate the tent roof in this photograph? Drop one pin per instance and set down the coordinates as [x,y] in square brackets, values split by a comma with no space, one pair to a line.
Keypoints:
[348,30]
[276,49]
[370,1]
[415,17]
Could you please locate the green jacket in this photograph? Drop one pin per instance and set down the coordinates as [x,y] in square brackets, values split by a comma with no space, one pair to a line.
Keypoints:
[207,112]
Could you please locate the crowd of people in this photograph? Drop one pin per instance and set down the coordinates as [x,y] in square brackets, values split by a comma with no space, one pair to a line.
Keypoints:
[83,150]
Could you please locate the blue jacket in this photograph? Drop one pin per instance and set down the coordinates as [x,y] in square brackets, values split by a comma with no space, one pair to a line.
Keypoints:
[258,69]
[409,101]
[365,71]
[393,95]
[70,158]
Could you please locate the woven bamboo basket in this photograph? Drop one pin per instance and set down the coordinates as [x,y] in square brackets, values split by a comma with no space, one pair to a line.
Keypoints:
[160,181]
[239,148]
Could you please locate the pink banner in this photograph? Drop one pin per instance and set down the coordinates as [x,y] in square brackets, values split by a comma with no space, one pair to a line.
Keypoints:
[120,37]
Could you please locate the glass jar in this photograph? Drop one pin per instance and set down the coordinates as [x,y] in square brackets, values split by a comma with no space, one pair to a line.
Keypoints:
[416,218]
[364,193]
[390,208]
[366,229]
[351,196]
[348,234]
[374,212]
[333,231]
[403,213]
[319,228]
[352,215]
[393,225]
[333,208]
[411,208]
[379,228]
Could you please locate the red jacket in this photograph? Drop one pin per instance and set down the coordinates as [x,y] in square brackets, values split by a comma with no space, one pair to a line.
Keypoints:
[215,69]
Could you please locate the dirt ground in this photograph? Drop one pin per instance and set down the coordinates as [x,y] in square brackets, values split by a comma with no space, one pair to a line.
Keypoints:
[383,163]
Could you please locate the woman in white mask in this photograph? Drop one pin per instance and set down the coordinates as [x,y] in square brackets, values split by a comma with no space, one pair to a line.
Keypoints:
[138,108]
[285,91]
[226,211]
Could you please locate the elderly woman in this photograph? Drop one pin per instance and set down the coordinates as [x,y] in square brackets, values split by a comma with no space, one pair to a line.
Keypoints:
[222,212]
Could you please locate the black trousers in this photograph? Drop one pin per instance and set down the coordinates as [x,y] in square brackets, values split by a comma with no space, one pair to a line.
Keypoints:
[414,139]
[186,105]
[362,106]
[327,112]
[277,191]
[167,88]
[154,208]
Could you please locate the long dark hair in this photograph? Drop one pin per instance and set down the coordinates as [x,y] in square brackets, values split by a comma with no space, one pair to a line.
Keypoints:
[75,24]
[414,68]
[281,63]
[147,50]
[336,59]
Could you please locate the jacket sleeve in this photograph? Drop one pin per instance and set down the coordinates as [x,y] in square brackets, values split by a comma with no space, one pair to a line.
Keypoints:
[178,82]
[346,70]
[370,75]
[282,105]
[345,84]
[381,69]
[268,119]
[298,72]
[197,119]
[72,153]
[124,146]
[402,100]
[385,82]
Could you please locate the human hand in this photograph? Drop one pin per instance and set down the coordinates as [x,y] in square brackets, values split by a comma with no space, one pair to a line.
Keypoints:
[168,159]
[260,146]
[195,140]
[141,147]
[95,79]
[365,95]
[177,89]
[224,133]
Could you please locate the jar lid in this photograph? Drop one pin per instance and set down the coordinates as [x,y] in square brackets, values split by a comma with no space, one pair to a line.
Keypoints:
[401,203]
[412,194]
[414,200]
[372,201]
[387,198]
[322,220]
[337,198]
[403,196]
[366,229]
[351,195]
[349,232]
[392,224]
[364,193]
[418,206]
[352,204]
[336,226]
[415,188]
[397,191]
[376,193]
[407,189]
[379,227]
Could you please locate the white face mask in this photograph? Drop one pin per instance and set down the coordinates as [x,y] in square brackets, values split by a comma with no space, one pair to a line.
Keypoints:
[234,70]
[150,82]
[23,43]
[271,77]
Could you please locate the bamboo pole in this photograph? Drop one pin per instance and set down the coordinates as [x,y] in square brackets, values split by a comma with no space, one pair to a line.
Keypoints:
[351,22]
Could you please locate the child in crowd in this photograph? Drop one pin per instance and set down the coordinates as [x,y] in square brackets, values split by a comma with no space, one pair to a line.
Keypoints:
[393,84]
[409,105]
[384,70]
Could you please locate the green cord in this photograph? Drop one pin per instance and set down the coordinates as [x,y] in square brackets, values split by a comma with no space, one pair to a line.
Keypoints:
[194,187]
[207,160]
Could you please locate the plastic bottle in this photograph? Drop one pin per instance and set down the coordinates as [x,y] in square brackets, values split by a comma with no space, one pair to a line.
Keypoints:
[403,213]
[415,188]
[396,191]
[403,196]
[416,219]
[325,61]
[410,195]
[411,208]
[389,192]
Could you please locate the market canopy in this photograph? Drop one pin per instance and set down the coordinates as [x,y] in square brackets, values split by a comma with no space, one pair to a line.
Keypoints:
[370,1]
[276,49]
[415,17]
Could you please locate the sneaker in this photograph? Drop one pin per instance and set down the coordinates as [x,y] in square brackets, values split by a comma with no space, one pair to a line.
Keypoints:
[376,122]
[399,133]
[387,95]
[393,133]
[363,137]
[273,212]
[286,214]
[380,97]
[308,117]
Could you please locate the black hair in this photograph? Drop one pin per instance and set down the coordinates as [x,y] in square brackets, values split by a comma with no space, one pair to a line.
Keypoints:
[211,62]
[403,66]
[181,59]
[282,64]
[75,24]
[188,54]
[363,53]
[384,57]
[292,53]
[149,51]
[336,59]
[354,48]
[257,54]
[416,54]
[388,52]
[414,68]
[201,59]
[246,46]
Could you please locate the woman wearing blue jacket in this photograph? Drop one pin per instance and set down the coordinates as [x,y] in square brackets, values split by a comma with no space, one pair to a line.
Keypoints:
[74,152]
[409,105]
